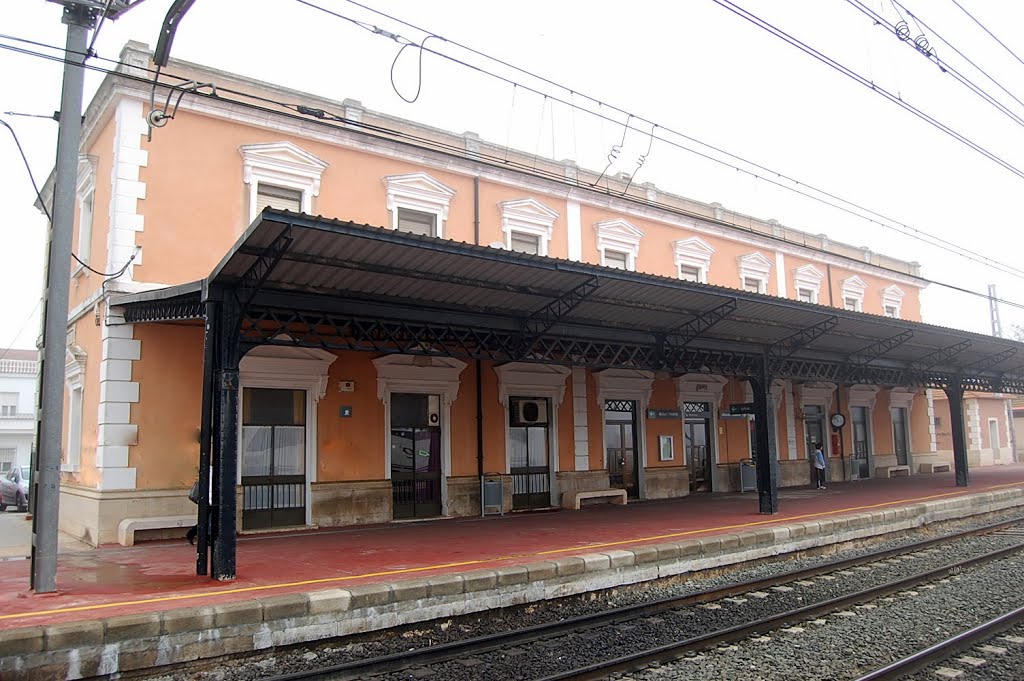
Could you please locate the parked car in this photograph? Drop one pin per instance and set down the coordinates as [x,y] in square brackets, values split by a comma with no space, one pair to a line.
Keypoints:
[14,488]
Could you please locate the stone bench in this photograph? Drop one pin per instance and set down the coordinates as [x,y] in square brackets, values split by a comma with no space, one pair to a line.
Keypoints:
[129,526]
[933,468]
[892,471]
[572,499]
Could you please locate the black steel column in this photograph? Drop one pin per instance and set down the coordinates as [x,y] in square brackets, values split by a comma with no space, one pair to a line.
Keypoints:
[767,461]
[226,452]
[955,394]
[205,436]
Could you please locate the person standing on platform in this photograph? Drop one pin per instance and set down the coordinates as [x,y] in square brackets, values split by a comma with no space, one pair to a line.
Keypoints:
[819,465]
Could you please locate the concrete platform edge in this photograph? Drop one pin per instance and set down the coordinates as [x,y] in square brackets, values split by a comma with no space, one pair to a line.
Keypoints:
[151,640]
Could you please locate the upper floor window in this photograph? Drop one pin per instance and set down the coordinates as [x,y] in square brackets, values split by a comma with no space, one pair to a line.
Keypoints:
[853,293]
[528,225]
[524,243]
[754,271]
[892,301]
[281,198]
[414,196]
[617,259]
[754,285]
[86,192]
[808,283]
[280,175]
[8,404]
[618,243]
[416,222]
[693,258]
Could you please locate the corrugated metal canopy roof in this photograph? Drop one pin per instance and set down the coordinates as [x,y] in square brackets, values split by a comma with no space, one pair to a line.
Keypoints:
[333,260]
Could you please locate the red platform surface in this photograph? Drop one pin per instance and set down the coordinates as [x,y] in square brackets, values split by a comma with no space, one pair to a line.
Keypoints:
[153,576]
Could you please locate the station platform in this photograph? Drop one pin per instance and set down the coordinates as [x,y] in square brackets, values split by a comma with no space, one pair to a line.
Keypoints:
[120,608]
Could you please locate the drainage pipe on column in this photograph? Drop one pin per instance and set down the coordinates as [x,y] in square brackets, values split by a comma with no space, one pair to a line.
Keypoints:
[479,380]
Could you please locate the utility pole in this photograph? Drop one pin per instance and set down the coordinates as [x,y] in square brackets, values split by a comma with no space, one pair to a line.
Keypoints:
[80,17]
[993,308]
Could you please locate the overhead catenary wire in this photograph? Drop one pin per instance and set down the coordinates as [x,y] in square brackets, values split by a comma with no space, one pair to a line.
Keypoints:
[337,122]
[770,176]
[848,206]
[992,35]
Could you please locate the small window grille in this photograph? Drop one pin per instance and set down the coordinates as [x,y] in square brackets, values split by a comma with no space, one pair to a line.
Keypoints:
[620,405]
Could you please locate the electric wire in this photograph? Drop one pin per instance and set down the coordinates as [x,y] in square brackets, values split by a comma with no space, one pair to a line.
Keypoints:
[943,65]
[42,204]
[832,200]
[301,112]
[992,35]
[906,229]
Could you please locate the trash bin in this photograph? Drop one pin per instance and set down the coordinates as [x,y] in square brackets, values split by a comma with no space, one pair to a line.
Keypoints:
[494,496]
[748,476]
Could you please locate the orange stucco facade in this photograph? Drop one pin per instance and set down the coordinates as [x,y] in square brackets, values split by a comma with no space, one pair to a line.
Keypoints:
[180,200]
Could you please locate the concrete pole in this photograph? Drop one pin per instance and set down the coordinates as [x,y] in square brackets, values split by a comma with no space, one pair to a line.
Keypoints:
[49,426]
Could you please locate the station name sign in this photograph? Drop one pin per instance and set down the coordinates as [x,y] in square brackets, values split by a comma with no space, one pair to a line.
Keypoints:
[741,408]
[664,414]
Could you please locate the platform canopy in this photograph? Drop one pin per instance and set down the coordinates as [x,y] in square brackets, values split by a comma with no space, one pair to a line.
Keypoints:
[317,282]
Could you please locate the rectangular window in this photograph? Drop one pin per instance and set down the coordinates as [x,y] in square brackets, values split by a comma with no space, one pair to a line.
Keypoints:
[85,216]
[8,457]
[279,198]
[805,295]
[689,273]
[752,284]
[616,259]
[851,304]
[525,243]
[8,404]
[859,422]
[417,222]
[891,311]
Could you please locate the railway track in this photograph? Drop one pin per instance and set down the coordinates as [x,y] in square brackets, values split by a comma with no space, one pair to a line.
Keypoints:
[608,640]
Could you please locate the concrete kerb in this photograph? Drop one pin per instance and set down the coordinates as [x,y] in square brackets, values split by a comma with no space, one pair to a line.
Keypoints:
[126,642]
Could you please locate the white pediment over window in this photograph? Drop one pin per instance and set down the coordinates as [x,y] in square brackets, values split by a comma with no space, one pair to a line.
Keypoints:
[620,236]
[853,289]
[418,374]
[808,278]
[892,299]
[86,174]
[696,253]
[281,164]
[419,192]
[282,365]
[755,265]
[527,216]
[526,379]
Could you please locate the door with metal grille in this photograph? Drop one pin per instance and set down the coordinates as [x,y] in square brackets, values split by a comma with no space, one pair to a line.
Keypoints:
[621,446]
[273,458]
[415,455]
[696,435]
[899,434]
[861,452]
[528,453]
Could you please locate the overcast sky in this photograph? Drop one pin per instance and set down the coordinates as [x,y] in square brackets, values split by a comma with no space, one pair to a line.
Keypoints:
[691,67]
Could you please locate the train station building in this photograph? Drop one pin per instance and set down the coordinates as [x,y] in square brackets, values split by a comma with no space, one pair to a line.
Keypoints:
[335,317]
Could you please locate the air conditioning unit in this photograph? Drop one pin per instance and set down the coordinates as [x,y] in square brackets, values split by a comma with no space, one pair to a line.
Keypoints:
[531,412]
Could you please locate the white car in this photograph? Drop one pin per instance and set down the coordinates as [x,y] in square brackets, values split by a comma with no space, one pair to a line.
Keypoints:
[14,488]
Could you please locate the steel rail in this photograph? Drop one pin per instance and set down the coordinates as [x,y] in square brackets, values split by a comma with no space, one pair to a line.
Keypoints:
[946,649]
[358,669]
[672,651]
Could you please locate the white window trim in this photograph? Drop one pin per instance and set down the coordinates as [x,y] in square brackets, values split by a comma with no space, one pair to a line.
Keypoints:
[281,164]
[702,388]
[627,384]
[809,278]
[85,190]
[522,379]
[619,235]
[421,375]
[74,379]
[289,368]
[755,266]
[893,296]
[854,287]
[694,252]
[419,192]
[528,216]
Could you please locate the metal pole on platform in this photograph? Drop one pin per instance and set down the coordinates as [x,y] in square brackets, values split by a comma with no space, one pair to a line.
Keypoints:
[50,418]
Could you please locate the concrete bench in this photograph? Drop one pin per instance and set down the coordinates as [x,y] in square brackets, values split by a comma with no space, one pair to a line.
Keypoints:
[933,468]
[572,499]
[892,471]
[129,526]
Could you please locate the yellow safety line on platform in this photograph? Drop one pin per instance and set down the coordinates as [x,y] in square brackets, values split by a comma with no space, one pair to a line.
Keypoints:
[327,580]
